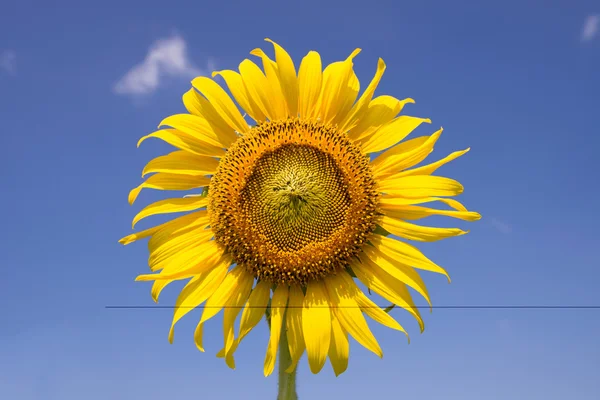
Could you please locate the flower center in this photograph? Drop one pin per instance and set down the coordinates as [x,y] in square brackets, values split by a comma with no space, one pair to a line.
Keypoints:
[293,201]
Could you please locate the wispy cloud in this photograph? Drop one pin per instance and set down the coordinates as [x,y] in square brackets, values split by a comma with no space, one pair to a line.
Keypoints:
[501,226]
[166,58]
[590,27]
[8,61]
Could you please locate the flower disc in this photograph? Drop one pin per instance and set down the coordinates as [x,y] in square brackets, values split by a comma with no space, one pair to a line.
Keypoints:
[293,201]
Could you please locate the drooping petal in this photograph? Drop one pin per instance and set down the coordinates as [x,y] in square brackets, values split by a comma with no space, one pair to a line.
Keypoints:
[233,307]
[255,308]
[400,271]
[287,77]
[377,314]
[294,326]
[163,181]
[385,285]
[392,133]
[278,305]
[184,141]
[251,316]
[196,291]
[339,350]
[237,278]
[316,325]
[182,163]
[420,186]
[342,292]
[221,102]
[310,79]
[407,254]
[170,206]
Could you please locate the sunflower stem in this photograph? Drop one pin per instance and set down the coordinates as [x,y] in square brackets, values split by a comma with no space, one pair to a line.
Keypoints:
[287,382]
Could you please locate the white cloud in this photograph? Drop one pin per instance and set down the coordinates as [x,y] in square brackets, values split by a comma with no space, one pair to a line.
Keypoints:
[501,226]
[166,58]
[590,27]
[8,61]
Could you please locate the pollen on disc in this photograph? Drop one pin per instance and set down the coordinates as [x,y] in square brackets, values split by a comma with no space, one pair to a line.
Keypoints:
[293,201]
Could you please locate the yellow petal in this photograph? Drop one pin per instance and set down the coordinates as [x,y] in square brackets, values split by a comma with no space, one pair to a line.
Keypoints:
[139,235]
[235,83]
[380,111]
[184,141]
[188,261]
[406,254]
[316,325]
[373,276]
[287,77]
[400,203]
[255,308]
[251,316]
[404,156]
[163,181]
[275,92]
[199,128]
[361,106]
[348,97]
[420,186]
[392,133]
[232,310]
[236,278]
[339,86]
[400,271]
[278,305]
[196,104]
[259,89]
[342,292]
[377,314]
[339,350]
[294,326]
[416,232]
[195,221]
[221,102]
[160,255]
[169,227]
[157,288]
[310,79]
[431,168]
[195,292]
[170,206]
[409,212]
[182,163]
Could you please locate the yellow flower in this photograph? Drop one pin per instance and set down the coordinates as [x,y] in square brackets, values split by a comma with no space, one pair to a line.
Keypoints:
[295,206]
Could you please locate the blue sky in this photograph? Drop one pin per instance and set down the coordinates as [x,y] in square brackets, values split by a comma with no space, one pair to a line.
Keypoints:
[516,81]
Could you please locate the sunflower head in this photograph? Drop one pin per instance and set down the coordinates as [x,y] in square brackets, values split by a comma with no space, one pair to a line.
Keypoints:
[294,205]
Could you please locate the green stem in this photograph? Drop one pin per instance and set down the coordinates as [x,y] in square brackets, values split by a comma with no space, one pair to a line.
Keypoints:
[287,382]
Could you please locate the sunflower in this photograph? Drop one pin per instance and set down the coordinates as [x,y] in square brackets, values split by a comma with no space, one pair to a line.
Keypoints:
[295,209]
